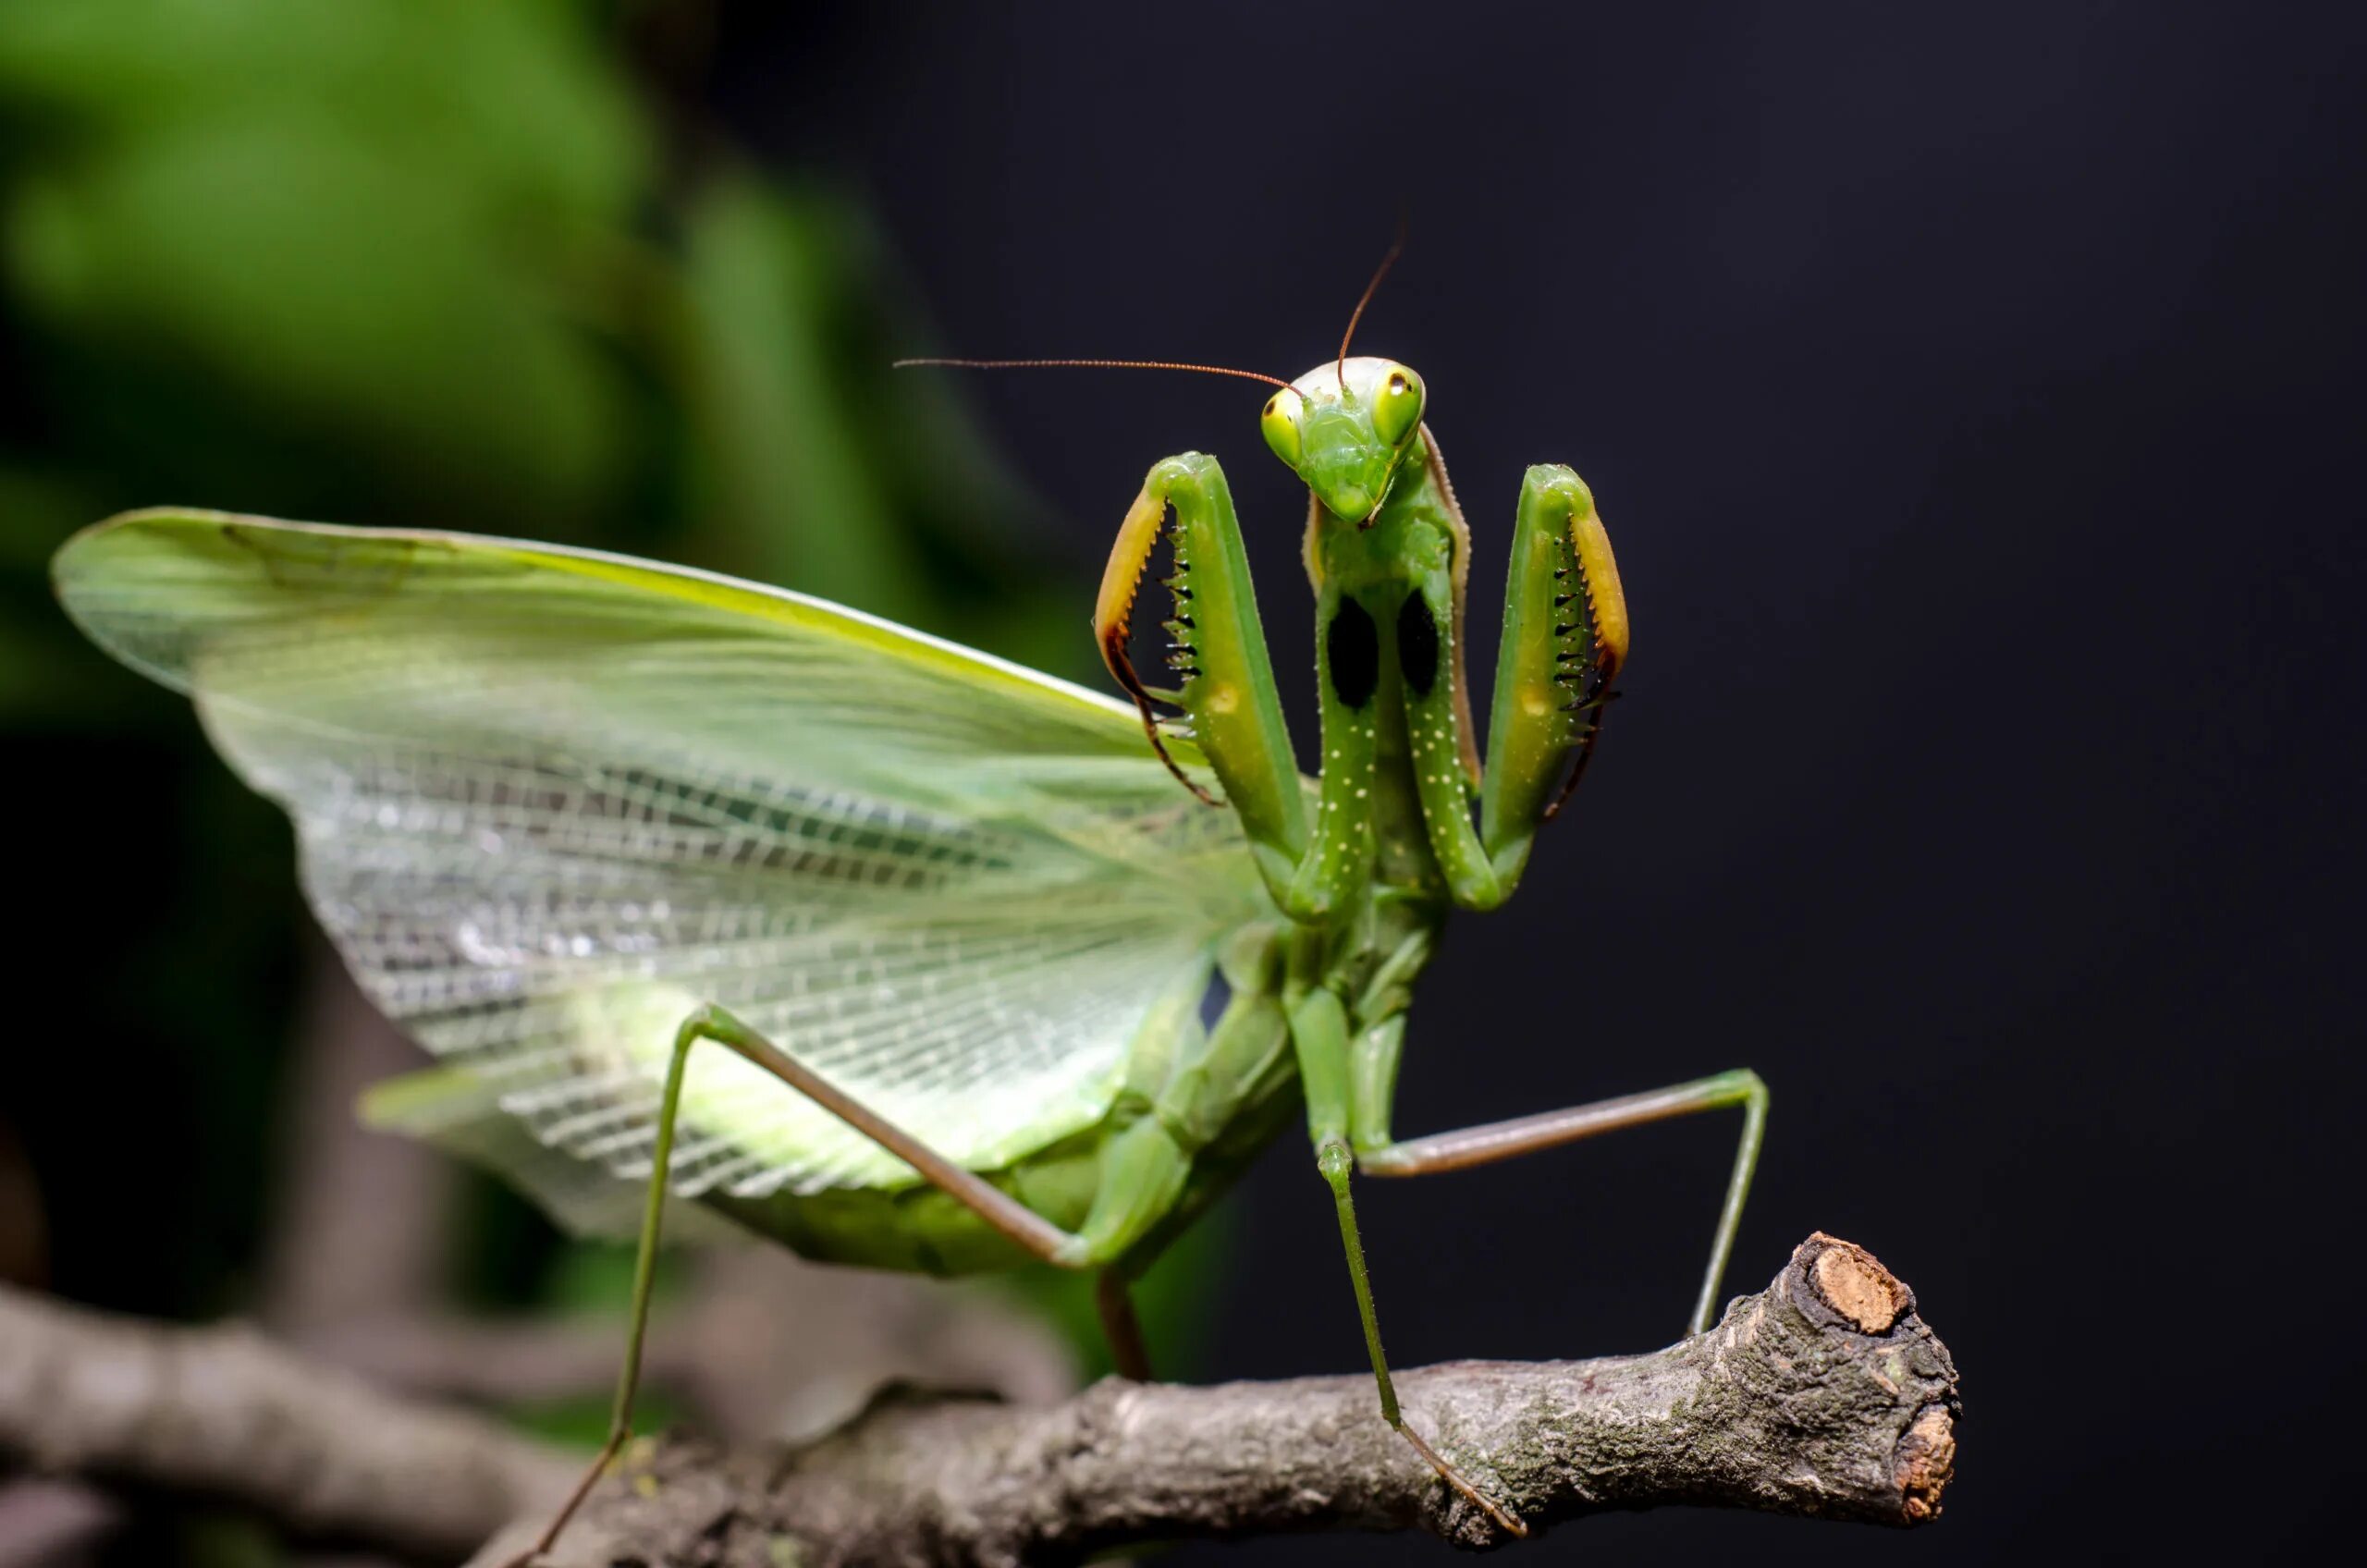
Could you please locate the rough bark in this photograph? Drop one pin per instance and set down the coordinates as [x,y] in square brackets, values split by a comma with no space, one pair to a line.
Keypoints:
[1824,1395]
[221,1413]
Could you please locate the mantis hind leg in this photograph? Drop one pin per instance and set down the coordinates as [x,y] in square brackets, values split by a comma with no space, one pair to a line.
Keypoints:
[1505,1140]
[1006,1214]
[1128,1353]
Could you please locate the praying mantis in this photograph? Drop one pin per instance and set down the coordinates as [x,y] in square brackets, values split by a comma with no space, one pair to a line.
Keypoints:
[948,927]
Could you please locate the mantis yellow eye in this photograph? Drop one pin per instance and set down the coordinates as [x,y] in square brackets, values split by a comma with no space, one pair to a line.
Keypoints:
[1280,421]
[1397,407]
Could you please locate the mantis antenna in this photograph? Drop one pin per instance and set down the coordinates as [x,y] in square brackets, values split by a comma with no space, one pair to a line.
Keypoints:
[1395,246]
[1097,364]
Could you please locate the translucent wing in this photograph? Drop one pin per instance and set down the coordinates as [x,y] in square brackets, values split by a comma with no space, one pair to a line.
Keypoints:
[549,800]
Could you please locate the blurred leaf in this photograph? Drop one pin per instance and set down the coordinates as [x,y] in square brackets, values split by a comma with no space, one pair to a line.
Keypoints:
[516,97]
[582,1422]
[776,472]
[345,220]
[320,283]
[46,677]
[595,1280]
[36,503]
[223,1539]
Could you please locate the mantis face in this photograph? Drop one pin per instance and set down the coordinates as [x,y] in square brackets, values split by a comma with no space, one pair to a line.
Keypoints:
[1347,430]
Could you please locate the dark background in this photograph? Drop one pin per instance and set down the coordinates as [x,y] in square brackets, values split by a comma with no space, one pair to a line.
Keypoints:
[1973,396]
[1974,401]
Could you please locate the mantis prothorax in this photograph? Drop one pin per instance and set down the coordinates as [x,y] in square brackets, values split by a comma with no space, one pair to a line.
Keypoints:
[949,921]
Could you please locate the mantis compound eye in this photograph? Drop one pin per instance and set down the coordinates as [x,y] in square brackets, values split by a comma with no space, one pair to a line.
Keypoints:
[1280,421]
[1397,406]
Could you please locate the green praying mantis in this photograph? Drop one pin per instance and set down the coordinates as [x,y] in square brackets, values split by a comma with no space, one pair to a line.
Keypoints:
[949,923]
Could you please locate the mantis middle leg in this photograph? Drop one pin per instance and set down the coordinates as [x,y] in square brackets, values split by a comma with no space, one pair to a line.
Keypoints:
[1319,1036]
[1137,1170]
[1378,1154]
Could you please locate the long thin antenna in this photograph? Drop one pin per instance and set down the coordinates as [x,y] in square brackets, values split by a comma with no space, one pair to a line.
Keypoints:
[1357,314]
[1097,365]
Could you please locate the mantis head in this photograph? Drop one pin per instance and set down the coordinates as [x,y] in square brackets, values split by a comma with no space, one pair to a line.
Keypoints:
[1345,430]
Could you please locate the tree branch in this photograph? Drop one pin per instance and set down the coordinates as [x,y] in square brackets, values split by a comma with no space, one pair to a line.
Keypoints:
[220,1412]
[1824,1395]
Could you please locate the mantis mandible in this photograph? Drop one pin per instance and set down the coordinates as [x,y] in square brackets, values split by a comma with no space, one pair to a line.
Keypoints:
[947,924]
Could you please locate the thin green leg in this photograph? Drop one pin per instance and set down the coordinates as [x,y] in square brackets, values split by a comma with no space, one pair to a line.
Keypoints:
[1752,1094]
[1338,1165]
[644,1274]
[1319,1036]
[998,1207]
[1469,1146]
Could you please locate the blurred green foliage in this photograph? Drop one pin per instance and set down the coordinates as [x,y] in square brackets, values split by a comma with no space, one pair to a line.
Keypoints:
[433,263]
[433,260]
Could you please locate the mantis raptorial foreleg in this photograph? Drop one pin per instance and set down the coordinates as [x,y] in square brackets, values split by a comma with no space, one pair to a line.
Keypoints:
[1097,1245]
[1565,635]
[1227,690]
[1237,716]
[1377,1155]
[1314,872]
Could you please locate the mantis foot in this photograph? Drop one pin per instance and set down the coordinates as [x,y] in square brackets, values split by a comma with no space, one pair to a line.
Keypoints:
[1509,1522]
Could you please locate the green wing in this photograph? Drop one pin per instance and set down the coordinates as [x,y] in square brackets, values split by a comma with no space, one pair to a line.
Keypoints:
[549,800]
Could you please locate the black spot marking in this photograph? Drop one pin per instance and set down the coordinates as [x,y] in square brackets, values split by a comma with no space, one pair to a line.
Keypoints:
[1418,645]
[1352,652]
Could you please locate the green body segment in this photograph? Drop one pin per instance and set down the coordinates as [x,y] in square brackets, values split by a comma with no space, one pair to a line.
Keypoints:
[1196,1106]
[1126,1165]
[1400,570]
